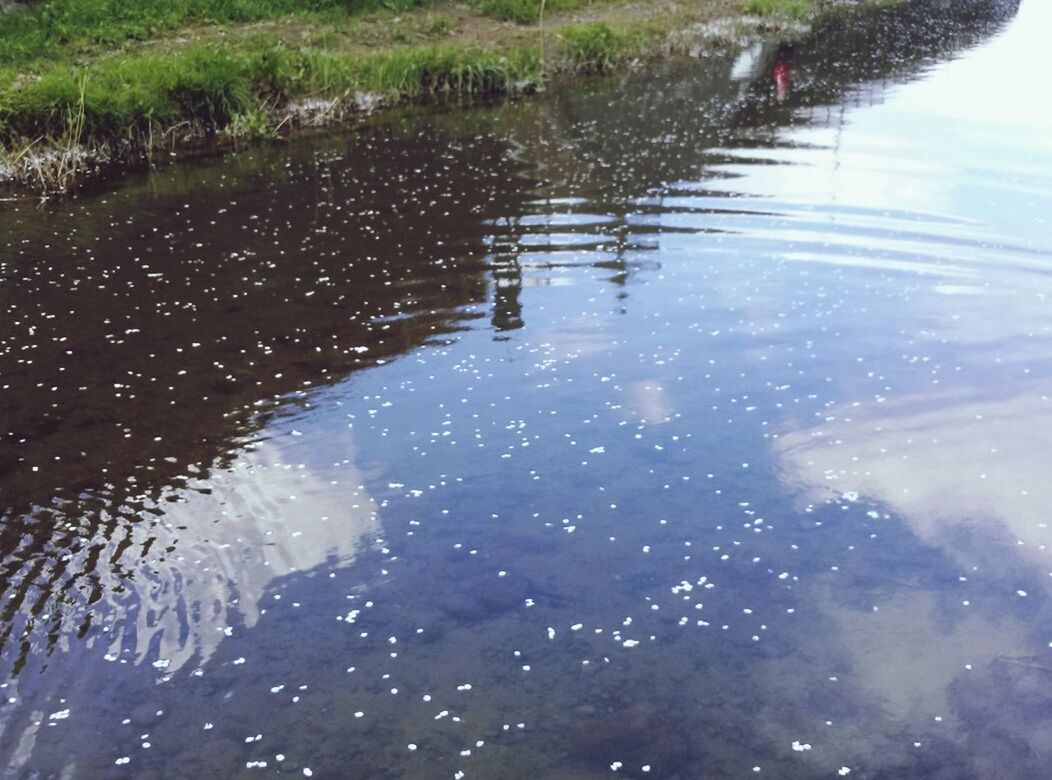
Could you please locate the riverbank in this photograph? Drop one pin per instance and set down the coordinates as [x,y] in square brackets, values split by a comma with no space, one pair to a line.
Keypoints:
[87,84]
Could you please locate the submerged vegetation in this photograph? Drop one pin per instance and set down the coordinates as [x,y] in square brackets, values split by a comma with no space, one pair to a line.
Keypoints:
[87,81]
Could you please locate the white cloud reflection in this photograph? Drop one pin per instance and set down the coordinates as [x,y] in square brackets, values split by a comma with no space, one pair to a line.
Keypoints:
[262,518]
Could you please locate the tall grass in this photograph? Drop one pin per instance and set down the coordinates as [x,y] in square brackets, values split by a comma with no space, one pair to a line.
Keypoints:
[792,9]
[122,95]
[37,33]
[135,96]
[132,96]
[598,47]
[526,11]
[128,102]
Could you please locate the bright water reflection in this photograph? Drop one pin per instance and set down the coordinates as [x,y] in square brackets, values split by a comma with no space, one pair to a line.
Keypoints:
[671,428]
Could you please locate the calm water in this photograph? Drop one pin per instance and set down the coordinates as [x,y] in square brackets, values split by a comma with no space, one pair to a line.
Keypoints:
[694,423]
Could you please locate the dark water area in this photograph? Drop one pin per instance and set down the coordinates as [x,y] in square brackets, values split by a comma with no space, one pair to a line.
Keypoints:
[690,423]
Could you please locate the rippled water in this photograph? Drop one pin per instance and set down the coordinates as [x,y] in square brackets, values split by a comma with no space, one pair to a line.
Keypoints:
[693,423]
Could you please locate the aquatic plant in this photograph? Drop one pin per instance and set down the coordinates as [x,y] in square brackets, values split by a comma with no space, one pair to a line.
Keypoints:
[253,124]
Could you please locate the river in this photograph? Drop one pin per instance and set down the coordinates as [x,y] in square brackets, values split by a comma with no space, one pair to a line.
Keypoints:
[693,422]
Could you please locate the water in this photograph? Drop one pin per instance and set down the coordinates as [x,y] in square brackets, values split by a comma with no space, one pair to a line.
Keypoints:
[657,427]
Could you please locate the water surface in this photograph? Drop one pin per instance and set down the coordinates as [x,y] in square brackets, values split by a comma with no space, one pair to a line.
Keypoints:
[691,423]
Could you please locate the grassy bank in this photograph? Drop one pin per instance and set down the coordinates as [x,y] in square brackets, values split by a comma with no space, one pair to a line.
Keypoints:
[86,81]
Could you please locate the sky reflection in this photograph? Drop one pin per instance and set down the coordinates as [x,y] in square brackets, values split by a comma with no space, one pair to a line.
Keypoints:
[666,433]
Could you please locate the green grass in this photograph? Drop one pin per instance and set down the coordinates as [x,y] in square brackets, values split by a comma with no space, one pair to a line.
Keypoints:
[527,11]
[39,32]
[69,78]
[598,47]
[791,9]
[128,95]
[139,96]
[135,96]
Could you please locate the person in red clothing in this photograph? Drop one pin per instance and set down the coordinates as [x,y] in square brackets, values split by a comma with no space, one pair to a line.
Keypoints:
[782,73]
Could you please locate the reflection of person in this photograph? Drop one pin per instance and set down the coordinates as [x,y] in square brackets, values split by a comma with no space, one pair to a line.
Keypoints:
[782,72]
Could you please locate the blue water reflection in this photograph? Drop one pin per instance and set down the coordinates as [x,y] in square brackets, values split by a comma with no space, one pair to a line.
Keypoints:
[686,424]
